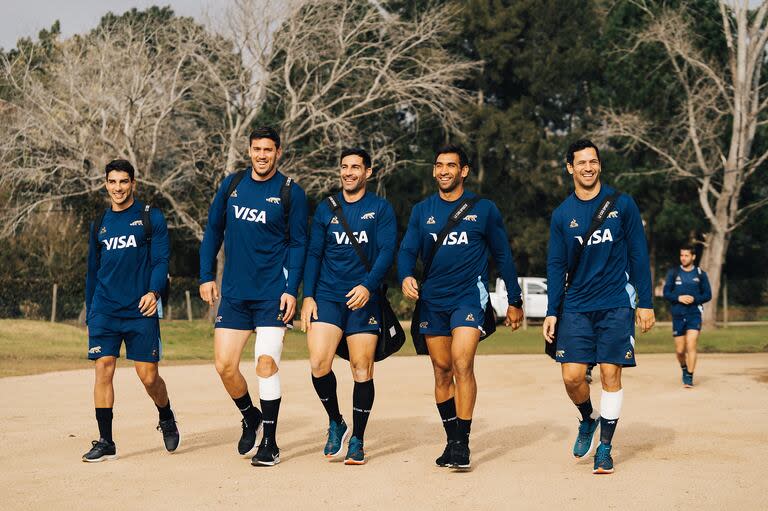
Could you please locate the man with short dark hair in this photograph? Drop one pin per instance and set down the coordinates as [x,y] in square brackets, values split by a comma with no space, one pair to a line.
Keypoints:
[261,217]
[342,297]
[687,290]
[454,291]
[609,291]
[127,272]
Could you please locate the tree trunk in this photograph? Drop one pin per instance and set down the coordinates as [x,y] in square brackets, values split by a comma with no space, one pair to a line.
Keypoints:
[712,261]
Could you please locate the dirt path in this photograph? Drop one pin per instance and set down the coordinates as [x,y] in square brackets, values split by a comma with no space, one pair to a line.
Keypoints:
[705,448]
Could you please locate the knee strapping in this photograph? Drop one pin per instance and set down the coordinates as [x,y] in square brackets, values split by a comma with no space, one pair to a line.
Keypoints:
[269,343]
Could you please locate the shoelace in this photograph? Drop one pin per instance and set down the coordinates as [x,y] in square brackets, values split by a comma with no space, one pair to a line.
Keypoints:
[602,456]
[166,426]
[584,428]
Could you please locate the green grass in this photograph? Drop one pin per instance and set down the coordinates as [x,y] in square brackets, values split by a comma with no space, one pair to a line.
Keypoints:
[31,347]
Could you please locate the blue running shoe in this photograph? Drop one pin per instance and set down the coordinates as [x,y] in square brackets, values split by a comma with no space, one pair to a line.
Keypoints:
[355,454]
[337,433]
[603,460]
[687,379]
[585,440]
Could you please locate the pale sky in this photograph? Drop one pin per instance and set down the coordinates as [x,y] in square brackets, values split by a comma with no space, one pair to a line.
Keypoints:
[25,18]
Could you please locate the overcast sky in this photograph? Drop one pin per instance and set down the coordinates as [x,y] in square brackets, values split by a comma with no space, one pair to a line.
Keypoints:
[25,18]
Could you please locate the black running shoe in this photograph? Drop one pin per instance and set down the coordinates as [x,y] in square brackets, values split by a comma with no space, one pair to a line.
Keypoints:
[268,453]
[461,454]
[171,436]
[101,450]
[446,459]
[248,439]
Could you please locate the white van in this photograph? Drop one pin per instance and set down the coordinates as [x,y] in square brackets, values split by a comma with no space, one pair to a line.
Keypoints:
[534,297]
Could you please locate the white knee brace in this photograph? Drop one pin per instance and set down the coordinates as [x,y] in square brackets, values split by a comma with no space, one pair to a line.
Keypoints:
[269,342]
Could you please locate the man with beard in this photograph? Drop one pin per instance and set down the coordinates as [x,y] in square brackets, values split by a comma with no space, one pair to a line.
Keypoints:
[342,296]
[260,216]
[454,291]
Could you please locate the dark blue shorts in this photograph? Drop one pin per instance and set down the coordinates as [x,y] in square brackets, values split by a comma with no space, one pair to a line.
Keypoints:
[606,336]
[365,319]
[684,323]
[141,336]
[248,314]
[432,322]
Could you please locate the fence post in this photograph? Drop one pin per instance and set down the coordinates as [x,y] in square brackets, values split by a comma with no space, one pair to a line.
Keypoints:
[725,301]
[189,306]
[53,302]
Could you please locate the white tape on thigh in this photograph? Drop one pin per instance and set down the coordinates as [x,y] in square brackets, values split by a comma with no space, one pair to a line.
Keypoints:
[269,342]
[610,404]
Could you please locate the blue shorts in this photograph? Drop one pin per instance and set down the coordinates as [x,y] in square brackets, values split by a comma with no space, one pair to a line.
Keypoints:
[248,314]
[365,319]
[684,323]
[606,336]
[141,336]
[432,322]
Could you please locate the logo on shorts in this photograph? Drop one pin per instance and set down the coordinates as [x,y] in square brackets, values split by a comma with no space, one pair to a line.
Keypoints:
[103,230]
[280,316]
[372,321]
[137,222]
[94,350]
[234,193]
[424,324]
[470,317]
[430,220]
[471,218]
[154,353]
[628,355]
[334,220]
[218,319]
[560,353]
[273,200]
[613,214]
[574,224]
[368,216]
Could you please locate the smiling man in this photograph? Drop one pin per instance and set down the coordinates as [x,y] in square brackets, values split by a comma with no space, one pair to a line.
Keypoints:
[342,296]
[261,217]
[454,290]
[127,270]
[609,292]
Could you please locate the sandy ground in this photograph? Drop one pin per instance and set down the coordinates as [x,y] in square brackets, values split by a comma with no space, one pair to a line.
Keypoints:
[705,448]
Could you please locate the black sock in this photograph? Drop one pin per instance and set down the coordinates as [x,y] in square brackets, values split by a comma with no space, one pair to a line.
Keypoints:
[104,419]
[250,413]
[586,409]
[463,427]
[270,409]
[684,367]
[325,386]
[165,411]
[607,427]
[447,411]
[362,402]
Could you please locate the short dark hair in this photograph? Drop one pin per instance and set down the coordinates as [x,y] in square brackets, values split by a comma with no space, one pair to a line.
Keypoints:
[455,149]
[265,132]
[356,151]
[580,145]
[122,166]
[689,247]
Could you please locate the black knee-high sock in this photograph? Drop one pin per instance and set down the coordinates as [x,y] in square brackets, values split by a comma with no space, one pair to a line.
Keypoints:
[447,411]
[251,414]
[165,411]
[104,420]
[463,427]
[607,428]
[362,402]
[325,386]
[586,409]
[270,409]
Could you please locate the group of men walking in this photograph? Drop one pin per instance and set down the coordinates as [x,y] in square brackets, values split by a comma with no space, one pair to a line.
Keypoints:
[598,283]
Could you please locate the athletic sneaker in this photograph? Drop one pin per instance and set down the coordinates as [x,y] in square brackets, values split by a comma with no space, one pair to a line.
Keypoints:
[171,436]
[248,439]
[268,453]
[101,450]
[461,454]
[355,453]
[687,379]
[603,460]
[446,459]
[585,440]
[337,433]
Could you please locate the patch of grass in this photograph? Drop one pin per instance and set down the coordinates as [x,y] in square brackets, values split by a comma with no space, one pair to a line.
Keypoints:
[31,347]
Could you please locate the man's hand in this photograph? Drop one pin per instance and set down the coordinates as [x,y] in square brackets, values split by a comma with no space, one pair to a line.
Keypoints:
[645,319]
[288,306]
[209,292]
[358,297]
[411,288]
[514,317]
[549,328]
[308,313]
[148,304]
[685,299]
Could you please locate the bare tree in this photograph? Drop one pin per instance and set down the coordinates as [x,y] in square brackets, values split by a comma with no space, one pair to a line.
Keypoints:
[711,139]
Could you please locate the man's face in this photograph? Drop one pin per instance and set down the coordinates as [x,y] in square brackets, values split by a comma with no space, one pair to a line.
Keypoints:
[264,155]
[687,257]
[448,173]
[354,175]
[586,167]
[119,186]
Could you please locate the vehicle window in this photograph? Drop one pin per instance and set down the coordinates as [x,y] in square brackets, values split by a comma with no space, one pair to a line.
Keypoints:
[536,289]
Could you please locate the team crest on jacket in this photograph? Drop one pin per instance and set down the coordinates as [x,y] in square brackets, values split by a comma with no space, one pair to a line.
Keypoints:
[234,193]
[574,224]
[273,200]
[430,220]
[103,230]
[137,222]
[368,216]
[613,214]
[471,218]
[334,220]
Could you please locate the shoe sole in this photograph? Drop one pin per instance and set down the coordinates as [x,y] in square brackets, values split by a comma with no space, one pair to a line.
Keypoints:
[103,458]
[255,447]
[350,461]
[267,463]
[341,445]
[686,386]
[602,471]
[463,467]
